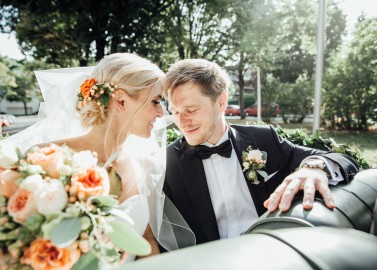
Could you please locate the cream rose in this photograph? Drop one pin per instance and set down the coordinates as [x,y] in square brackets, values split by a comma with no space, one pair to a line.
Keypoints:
[8,184]
[21,205]
[8,156]
[51,198]
[49,158]
[255,155]
[42,254]
[33,183]
[90,182]
[252,175]
[246,165]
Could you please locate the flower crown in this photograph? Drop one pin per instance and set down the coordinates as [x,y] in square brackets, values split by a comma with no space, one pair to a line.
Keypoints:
[100,93]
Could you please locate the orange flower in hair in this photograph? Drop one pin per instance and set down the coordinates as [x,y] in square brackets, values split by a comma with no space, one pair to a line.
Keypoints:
[86,86]
[100,93]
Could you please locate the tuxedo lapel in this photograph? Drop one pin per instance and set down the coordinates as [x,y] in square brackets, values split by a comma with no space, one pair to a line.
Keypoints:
[258,192]
[194,179]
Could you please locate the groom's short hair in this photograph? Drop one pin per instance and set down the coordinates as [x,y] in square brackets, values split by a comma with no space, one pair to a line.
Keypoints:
[209,76]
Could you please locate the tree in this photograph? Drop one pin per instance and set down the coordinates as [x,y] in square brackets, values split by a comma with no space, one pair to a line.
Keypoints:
[7,78]
[67,32]
[198,28]
[351,84]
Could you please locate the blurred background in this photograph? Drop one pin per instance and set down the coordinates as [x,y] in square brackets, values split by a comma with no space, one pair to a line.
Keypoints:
[278,38]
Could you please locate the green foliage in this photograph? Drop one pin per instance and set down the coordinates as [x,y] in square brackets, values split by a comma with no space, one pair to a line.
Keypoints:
[316,141]
[295,99]
[87,261]
[350,94]
[124,237]
[67,32]
[172,135]
[300,137]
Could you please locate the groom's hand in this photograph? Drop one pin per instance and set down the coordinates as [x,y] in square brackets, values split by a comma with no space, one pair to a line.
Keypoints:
[309,180]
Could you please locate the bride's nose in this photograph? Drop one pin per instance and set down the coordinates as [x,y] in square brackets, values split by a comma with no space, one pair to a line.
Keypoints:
[159,112]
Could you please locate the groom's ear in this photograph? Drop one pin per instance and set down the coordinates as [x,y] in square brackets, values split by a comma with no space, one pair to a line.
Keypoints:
[222,101]
[120,99]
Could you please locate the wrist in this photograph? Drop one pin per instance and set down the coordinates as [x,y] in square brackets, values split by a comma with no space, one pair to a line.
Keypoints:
[317,164]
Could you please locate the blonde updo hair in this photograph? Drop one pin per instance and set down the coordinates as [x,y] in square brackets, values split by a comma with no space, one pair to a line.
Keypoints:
[130,72]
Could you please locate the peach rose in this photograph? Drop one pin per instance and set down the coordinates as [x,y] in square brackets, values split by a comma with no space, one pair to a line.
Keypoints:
[42,254]
[8,184]
[50,158]
[90,182]
[21,205]
[86,86]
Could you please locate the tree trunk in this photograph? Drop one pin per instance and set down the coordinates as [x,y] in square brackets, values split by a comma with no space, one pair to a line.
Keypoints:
[241,85]
[25,107]
[100,46]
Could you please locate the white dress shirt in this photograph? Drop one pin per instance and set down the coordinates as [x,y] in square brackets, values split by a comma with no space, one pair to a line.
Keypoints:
[231,200]
[232,203]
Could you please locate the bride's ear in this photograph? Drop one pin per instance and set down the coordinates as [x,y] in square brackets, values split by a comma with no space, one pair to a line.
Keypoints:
[120,99]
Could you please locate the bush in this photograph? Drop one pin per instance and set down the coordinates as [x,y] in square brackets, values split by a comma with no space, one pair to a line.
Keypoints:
[300,137]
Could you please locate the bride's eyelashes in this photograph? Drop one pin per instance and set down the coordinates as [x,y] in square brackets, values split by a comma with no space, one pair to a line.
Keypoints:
[156,102]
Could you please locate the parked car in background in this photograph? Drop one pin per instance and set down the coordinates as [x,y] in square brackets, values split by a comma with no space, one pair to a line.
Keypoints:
[232,110]
[253,110]
[7,118]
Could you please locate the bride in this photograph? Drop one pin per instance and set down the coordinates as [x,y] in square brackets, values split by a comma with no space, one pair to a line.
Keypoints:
[114,109]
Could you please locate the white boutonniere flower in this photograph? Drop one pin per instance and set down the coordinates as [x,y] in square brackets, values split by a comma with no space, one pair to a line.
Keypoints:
[254,161]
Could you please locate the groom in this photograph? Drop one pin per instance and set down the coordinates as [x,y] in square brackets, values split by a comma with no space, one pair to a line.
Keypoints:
[205,176]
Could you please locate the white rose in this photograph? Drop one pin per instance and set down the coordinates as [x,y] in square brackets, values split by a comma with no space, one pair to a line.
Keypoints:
[51,198]
[252,175]
[255,154]
[33,183]
[83,160]
[8,156]
[65,170]
[246,165]
[34,169]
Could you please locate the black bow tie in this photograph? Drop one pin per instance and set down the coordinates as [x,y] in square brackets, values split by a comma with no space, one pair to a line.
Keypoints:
[224,150]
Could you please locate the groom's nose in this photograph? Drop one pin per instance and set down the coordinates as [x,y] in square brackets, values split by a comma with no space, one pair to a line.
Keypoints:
[183,119]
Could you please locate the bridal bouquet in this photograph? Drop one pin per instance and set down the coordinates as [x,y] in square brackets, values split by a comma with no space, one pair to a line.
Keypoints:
[56,212]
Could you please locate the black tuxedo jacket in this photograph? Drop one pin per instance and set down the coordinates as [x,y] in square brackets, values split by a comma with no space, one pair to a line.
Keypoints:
[186,184]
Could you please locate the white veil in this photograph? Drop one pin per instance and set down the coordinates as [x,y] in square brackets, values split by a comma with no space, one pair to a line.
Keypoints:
[57,120]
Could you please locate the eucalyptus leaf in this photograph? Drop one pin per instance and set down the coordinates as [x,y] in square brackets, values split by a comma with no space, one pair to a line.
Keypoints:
[105,201]
[87,261]
[34,222]
[66,232]
[263,174]
[128,239]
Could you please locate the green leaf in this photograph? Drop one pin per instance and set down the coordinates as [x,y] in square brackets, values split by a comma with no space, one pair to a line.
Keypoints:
[105,201]
[104,99]
[9,236]
[263,174]
[264,155]
[87,261]
[34,222]
[66,232]
[126,238]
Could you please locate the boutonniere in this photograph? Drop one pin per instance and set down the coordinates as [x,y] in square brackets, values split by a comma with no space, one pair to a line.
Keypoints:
[254,161]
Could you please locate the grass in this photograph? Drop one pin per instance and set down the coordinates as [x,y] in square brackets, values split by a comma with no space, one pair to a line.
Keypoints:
[366,142]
